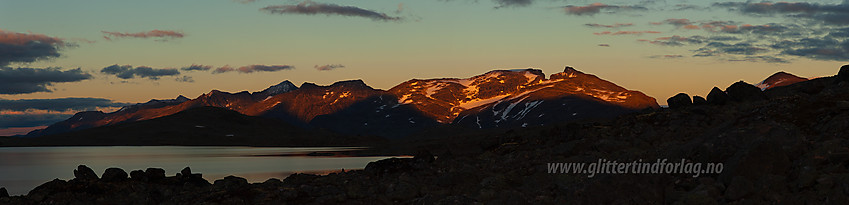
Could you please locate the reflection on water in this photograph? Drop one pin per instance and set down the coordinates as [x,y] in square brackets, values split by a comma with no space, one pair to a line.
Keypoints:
[24,168]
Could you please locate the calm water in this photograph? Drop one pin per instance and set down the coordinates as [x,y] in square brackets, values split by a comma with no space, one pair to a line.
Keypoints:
[24,168]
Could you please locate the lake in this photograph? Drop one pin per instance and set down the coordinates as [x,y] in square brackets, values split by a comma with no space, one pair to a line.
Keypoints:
[24,168]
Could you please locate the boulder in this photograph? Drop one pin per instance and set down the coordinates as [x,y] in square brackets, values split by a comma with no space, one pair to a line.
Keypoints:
[186,172]
[230,182]
[680,100]
[114,174]
[138,175]
[699,100]
[843,74]
[3,192]
[745,92]
[717,97]
[155,173]
[84,173]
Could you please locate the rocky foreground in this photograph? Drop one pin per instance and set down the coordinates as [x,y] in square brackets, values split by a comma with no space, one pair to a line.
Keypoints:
[786,145]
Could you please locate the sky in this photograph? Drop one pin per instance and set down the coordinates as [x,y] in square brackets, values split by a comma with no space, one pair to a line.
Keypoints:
[60,57]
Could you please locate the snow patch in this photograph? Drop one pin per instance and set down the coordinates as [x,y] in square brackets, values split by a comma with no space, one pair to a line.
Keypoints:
[405,100]
[528,107]
[345,94]
[478,102]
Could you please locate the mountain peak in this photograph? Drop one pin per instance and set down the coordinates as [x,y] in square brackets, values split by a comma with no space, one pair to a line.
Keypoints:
[570,69]
[357,83]
[282,87]
[568,72]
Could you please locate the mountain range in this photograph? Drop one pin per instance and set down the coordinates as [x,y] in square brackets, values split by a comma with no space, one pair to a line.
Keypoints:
[496,99]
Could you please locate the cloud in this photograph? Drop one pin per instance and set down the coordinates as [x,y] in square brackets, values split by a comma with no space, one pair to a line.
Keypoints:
[31,120]
[128,72]
[816,48]
[31,80]
[253,68]
[677,40]
[328,67]
[836,14]
[737,48]
[26,48]
[667,56]
[187,79]
[195,67]
[313,8]
[819,31]
[604,45]
[509,3]
[617,25]
[678,22]
[162,34]
[58,104]
[625,33]
[596,8]
[766,59]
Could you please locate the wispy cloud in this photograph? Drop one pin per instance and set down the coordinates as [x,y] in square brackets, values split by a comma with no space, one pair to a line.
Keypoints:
[313,8]
[160,34]
[677,40]
[187,79]
[253,68]
[195,67]
[837,14]
[672,56]
[31,119]
[328,67]
[826,48]
[32,80]
[509,3]
[625,33]
[742,48]
[27,47]
[128,72]
[616,25]
[596,8]
[58,104]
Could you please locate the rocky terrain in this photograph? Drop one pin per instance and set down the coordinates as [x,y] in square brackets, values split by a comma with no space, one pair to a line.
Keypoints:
[784,145]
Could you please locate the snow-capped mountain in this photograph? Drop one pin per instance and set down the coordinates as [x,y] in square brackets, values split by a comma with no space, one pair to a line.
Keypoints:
[779,79]
[500,98]
[514,97]
[282,87]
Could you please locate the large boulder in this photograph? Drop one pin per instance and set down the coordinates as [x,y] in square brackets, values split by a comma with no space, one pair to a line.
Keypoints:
[114,174]
[744,92]
[187,171]
[230,183]
[84,173]
[155,173]
[843,74]
[3,192]
[680,100]
[717,97]
[138,175]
